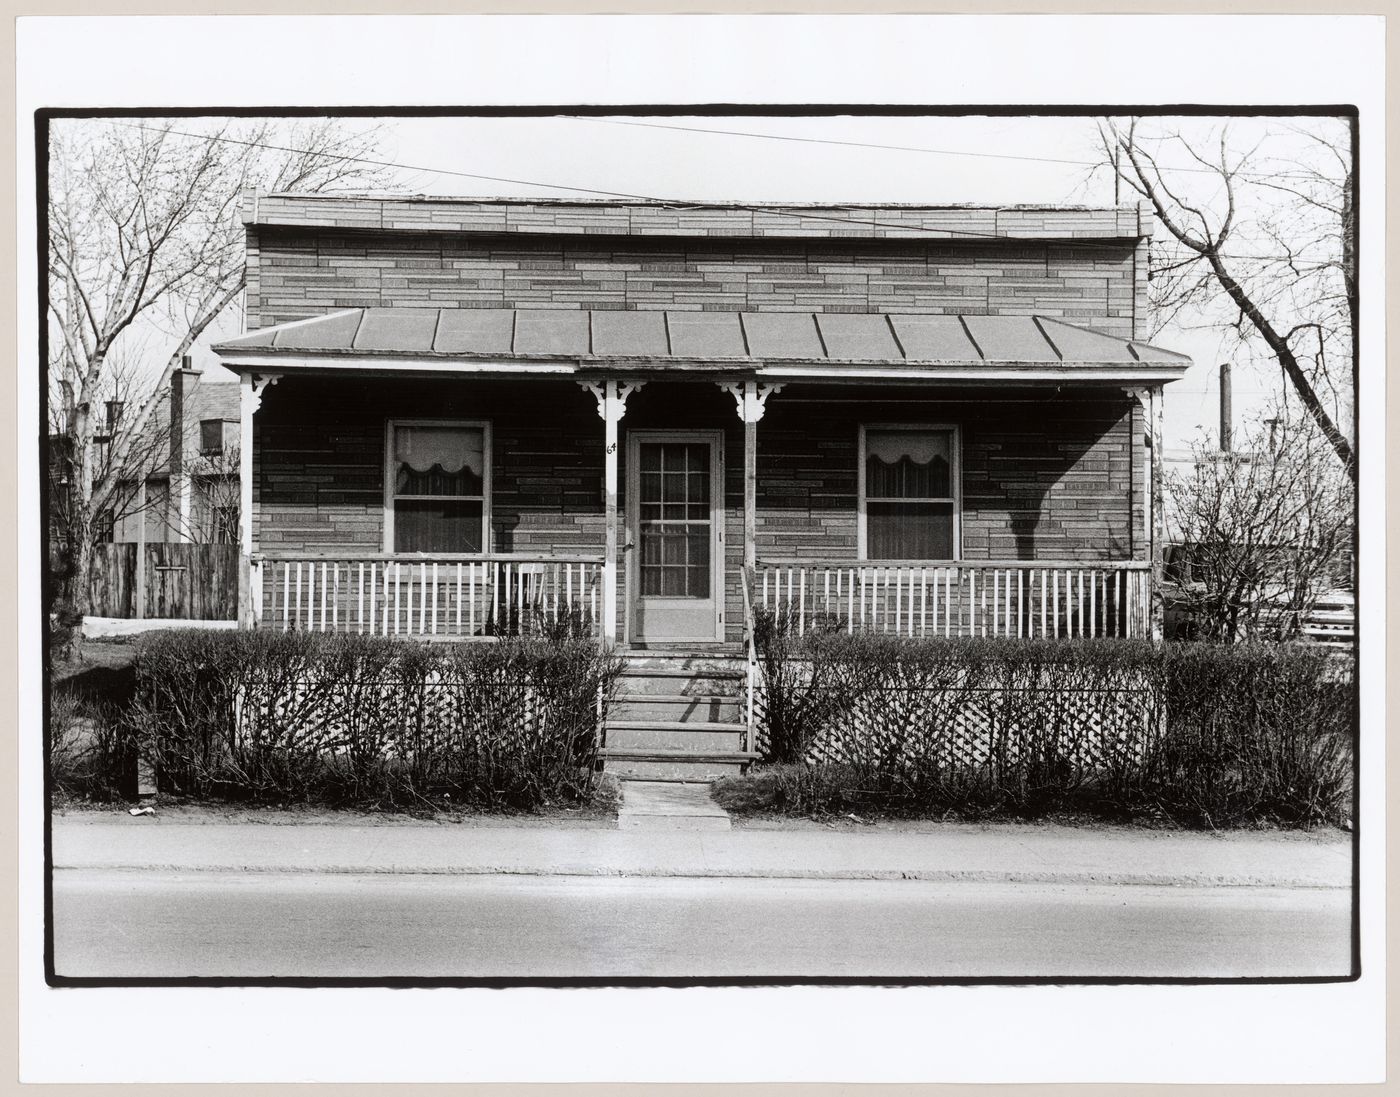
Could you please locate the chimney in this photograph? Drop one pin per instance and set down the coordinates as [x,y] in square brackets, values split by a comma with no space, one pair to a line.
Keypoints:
[182,383]
[1226,410]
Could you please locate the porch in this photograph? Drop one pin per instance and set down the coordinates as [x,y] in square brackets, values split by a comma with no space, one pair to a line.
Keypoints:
[441,474]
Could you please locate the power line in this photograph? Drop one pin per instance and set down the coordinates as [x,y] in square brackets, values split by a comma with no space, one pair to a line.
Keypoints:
[914,148]
[671,203]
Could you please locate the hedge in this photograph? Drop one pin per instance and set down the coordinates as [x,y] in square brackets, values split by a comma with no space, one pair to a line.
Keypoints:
[274,717]
[1191,734]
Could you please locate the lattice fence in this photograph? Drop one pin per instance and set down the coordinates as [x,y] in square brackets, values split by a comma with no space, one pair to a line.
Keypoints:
[1082,730]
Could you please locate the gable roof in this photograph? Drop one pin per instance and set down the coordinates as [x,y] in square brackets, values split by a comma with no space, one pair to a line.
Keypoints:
[658,340]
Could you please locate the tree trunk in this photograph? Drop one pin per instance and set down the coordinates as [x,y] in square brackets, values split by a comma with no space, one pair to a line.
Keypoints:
[81,520]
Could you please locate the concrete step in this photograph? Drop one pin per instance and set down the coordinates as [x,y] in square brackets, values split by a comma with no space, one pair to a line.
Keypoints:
[669,805]
[667,768]
[675,765]
[707,667]
[685,683]
[673,725]
[689,739]
[697,709]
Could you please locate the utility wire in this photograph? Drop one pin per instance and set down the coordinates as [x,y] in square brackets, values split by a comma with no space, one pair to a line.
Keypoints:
[670,203]
[913,148]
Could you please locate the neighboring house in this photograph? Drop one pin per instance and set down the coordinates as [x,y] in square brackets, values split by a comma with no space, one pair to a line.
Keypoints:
[194,431]
[459,414]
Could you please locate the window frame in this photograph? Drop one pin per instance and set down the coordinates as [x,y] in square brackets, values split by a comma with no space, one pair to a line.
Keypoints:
[955,482]
[390,468]
[209,451]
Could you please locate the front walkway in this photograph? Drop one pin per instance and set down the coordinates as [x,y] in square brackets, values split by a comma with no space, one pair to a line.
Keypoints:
[669,805]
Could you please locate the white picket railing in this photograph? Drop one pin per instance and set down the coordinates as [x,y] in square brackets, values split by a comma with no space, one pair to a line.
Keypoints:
[978,598]
[446,596]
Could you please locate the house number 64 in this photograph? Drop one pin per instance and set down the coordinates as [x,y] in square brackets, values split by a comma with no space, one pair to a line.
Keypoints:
[612,447]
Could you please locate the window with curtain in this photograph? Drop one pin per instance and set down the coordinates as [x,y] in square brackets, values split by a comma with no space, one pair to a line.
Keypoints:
[909,495]
[439,487]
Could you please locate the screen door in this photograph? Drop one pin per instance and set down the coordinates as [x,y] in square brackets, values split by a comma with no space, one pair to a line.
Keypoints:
[675,515]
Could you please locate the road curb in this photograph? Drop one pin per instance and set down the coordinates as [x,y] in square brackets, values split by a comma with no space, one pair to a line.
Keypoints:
[947,876]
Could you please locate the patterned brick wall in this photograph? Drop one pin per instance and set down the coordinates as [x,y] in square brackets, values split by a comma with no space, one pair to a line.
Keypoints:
[319,461]
[1049,478]
[295,273]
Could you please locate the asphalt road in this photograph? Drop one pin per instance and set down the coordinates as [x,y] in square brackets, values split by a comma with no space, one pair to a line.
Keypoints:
[115,923]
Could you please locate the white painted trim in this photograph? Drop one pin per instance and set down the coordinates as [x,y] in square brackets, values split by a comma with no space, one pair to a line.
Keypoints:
[486,444]
[386,364]
[715,440]
[951,371]
[973,372]
[955,473]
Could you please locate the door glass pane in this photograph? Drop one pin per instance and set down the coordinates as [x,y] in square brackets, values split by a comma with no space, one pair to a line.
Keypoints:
[674,519]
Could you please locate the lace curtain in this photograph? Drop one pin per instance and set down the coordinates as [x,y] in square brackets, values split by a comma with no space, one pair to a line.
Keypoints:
[450,448]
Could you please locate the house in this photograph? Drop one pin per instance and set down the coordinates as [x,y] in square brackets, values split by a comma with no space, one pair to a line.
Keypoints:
[189,440]
[460,415]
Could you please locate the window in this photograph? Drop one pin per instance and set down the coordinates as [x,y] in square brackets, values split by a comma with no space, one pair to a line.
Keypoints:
[104,529]
[211,437]
[114,414]
[909,493]
[437,491]
[225,529]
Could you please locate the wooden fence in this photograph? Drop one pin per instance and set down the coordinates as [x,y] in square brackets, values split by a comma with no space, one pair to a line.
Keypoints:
[184,582]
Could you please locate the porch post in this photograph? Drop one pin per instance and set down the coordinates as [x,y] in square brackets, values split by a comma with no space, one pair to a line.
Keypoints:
[612,406]
[1158,529]
[249,400]
[751,399]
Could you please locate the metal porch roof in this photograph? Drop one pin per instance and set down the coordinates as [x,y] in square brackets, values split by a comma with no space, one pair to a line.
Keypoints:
[733,339]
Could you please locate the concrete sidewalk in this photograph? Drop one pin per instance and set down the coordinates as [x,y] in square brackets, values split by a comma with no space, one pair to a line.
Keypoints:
[1006,853]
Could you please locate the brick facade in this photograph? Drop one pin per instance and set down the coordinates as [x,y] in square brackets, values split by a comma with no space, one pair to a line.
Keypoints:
[299,273]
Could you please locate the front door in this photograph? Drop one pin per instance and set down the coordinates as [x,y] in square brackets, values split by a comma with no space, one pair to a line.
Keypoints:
[675,514]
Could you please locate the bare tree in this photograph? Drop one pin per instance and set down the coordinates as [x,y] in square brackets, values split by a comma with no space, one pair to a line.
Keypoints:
[1263,530]
[1261,224]
[143,231]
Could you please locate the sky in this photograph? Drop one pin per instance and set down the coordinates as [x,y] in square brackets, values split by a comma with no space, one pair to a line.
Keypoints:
[938,160]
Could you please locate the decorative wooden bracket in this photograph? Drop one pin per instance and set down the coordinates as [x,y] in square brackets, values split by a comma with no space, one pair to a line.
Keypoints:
[750,397]
[1142,395]
[611,407]
[255,394]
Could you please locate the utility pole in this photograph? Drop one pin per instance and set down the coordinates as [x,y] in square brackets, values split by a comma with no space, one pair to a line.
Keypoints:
[1226,416]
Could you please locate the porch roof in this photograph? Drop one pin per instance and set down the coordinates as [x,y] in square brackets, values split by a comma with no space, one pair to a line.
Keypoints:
[766,343]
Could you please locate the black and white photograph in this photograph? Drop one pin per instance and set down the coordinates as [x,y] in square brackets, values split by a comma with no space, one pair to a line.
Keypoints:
[774,545]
